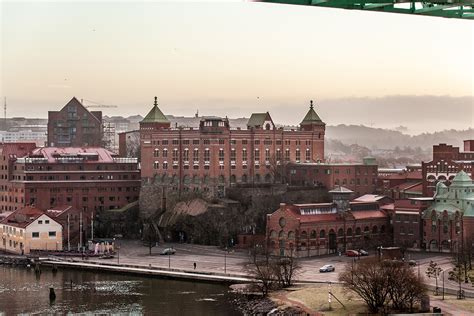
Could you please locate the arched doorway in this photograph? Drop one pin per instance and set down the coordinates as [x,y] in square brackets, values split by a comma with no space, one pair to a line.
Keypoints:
[332,241]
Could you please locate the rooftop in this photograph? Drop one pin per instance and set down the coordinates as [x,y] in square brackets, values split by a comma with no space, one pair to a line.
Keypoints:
[23,217]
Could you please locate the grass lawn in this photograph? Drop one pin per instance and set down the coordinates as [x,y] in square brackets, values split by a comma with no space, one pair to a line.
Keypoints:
[315,297]
[467,303]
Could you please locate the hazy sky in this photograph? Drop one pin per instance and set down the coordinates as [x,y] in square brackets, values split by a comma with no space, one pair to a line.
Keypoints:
[232,58]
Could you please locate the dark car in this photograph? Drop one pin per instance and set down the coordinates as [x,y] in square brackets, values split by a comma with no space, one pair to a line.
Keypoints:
[352,253]
[327,268]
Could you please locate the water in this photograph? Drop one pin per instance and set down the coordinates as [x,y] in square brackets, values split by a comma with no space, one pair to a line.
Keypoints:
[106,293]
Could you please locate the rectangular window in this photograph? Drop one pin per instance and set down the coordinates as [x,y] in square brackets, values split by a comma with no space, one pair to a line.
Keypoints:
[244,142]
[232,154]
[165,153]
[175,154]
[40,222]
[267,154]
[207,142]
[257,155]
[287,154]
[196,155]
[195,141]
[35,235]
[51,234]
[298,155]
[221,154]
[221,141]
[207,155]
[186,155]
[175,141]
[278,155]
[164,142]
[257,142]
[156,153]
[244,154]
[46,221]
[308,154]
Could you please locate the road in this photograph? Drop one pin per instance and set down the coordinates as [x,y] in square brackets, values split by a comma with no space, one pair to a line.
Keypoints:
[210,259]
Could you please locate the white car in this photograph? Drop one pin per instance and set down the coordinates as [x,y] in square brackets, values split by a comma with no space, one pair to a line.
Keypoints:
[168,251]
[327,268]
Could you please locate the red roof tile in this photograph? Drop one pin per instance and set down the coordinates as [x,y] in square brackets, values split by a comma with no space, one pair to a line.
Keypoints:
[368,214]
[22,217]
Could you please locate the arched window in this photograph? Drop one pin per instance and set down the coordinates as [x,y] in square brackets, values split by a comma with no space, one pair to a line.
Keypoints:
[273,234]
[366,230]
[434,220]
[382,229]
[340,232]
[322,234]
[257,178]
[291,235]
[195,179]
[281,234]
[349,231]
[221,179]
[244,178]
[233,179]
[375,230]
[313,234]
[186,179]
[358,231]
[304,235]
[268,178]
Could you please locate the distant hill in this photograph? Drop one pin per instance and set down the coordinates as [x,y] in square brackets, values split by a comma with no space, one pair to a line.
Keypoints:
[388,139]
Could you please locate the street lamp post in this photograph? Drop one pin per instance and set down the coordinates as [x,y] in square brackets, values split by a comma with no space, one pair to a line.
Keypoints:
[169,259]
[443,285]
[225,261]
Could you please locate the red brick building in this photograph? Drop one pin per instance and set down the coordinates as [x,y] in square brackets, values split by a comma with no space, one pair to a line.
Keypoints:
[407,222]
[400,183]
[447,161]
[90,179]
[448,224]
[215,155]
[74,126]
[308,230]
[360,178]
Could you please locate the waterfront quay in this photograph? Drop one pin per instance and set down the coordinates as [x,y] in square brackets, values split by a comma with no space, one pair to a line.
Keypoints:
[217,265]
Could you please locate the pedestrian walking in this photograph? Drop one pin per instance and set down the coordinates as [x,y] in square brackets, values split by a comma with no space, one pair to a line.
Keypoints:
[194,265]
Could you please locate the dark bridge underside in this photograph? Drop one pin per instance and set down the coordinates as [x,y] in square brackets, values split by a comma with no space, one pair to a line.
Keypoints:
[459,9]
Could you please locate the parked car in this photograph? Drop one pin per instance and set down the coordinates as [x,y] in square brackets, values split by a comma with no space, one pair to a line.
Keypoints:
[363,252]
[327,268]
[168,251]
[352,253]
[411,262]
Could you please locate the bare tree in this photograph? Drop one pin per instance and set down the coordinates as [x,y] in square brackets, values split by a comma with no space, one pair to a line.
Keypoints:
[434,271]
[150,236]
[406,288]
[369,281]
[381,283]
[262,269]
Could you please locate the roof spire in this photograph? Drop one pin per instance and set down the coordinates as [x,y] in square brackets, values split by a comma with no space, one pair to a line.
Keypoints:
[156,101]
[311,104]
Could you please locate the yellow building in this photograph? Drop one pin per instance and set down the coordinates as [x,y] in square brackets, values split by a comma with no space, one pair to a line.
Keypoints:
[30,229]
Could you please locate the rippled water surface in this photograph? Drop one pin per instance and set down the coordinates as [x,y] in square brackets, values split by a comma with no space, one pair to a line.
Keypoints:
[86,292]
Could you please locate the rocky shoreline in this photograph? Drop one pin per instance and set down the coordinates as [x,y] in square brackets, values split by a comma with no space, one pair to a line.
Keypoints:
[254,303]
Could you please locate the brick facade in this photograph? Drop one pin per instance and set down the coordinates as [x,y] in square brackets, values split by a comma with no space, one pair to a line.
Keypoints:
[360,178]
[74,126]
[306,230]
[447,161]
[89,179]
[215,156]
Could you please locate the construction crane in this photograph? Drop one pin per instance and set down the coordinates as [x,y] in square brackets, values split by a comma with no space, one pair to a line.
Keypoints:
[97,104]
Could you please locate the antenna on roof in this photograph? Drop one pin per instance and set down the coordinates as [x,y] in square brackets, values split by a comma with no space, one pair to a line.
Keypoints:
[5,114]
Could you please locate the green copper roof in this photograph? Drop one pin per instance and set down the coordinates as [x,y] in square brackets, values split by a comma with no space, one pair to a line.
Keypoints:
[311,117]
[257,119]
[462,178]
[469,212]
[155,115]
